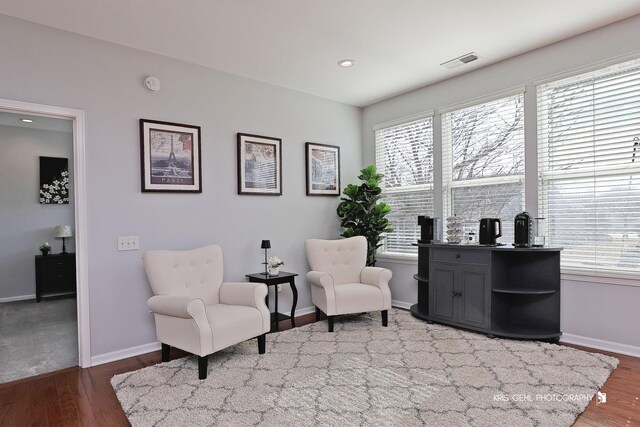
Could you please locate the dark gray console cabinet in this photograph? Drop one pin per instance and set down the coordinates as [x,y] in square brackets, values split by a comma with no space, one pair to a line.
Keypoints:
[509,292]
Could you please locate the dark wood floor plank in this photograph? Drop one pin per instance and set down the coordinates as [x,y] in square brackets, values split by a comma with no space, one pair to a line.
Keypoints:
[7,406]
[85,396]
[51,402]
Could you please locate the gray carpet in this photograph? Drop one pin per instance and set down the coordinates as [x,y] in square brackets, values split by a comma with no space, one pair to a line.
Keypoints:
[410,373]
[37,338]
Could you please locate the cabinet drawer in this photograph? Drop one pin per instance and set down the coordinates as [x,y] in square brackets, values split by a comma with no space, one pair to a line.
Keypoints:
[57,262]
[471,256]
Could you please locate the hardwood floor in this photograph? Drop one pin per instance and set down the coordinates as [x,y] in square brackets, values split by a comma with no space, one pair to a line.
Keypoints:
[84,397]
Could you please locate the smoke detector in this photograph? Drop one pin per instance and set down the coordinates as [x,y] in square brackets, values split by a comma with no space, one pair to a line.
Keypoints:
[461,60]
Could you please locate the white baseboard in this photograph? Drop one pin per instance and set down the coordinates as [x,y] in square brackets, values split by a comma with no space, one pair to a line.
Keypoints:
[614,347]
[125,353]
[401,304]
[154,346]
[18,298]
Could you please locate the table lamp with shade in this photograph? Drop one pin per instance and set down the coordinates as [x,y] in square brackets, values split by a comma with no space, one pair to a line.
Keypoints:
[62,232]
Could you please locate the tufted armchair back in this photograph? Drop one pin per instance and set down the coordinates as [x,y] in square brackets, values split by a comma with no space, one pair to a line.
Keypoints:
[343,259]
[196,273]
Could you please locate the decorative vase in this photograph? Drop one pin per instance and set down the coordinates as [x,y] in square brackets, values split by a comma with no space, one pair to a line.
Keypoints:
[274,271]
[45,253]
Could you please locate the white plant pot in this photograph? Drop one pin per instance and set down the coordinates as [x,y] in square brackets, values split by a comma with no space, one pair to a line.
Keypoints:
[274,271]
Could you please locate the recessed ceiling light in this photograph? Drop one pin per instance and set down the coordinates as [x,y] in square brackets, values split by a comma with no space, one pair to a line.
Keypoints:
[26,120]
[347,63]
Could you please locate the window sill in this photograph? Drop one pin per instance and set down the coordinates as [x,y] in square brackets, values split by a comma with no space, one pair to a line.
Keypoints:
[566,274]
[600,278]
[396,258]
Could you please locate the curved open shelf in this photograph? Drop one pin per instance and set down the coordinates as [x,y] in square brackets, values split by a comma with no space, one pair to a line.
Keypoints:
[525,291]
[420,278]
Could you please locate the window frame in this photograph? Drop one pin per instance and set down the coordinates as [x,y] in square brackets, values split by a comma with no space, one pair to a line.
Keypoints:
[448,183]
[594,274]
[382,253]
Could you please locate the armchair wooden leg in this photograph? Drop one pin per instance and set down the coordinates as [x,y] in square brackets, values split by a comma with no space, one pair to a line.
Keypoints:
[317,314]
[261,343]
[165,352]
[330,321]
[202,367]
[385,318]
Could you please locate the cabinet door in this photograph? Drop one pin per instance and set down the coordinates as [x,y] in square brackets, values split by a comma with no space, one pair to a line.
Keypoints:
[441,287]
[473,298]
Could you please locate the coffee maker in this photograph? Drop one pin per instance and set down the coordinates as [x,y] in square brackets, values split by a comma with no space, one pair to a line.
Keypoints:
[430,229]
[490,230]
[522,232]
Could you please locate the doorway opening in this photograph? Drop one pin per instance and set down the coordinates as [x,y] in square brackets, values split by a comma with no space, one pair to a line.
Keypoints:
[44,319]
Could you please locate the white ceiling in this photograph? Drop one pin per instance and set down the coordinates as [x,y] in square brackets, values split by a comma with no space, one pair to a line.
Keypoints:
[39,122]
[398,44]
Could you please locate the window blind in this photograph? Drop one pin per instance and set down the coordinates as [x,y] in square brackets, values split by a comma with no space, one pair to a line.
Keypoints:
[589,168]
[483,162]
[404,154]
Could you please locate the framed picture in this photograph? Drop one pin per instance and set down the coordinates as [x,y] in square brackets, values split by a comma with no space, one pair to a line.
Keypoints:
[170,157]
[54,181]
[322,169]
[259,165]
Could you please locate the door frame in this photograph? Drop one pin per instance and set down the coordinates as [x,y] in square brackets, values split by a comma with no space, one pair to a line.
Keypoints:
[80,207]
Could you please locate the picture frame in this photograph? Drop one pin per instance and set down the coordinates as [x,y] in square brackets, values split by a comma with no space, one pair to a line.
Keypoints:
[170,160]
[259,165]
[54,181]
[322,169]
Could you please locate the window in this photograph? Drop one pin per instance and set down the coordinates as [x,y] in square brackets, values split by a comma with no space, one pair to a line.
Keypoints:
[483,162]
[404,154]
[589,168]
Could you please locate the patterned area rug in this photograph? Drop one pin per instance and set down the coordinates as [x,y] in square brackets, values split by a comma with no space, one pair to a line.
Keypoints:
[410,373]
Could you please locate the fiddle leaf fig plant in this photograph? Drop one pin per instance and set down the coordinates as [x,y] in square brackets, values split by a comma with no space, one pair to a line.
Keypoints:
[363,214]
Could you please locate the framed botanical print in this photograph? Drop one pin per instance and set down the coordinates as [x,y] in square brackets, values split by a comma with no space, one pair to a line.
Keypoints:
[322,169]
[170,157]
[259,165]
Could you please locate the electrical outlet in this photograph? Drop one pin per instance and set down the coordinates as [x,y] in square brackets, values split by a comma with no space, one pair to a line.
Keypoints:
[279,288]
[128,243]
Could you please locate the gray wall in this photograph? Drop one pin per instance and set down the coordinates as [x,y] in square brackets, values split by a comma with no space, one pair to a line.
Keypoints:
[58,68]
[26,224]
[596,310]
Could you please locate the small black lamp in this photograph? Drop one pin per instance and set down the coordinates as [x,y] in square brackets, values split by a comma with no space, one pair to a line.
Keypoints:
[266,244]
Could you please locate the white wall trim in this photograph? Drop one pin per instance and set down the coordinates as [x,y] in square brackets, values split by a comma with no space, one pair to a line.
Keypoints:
[80,188]
[137,350]
[306,310]
[401,304]
[614,347]
[594,66]
[403,120]
[513,91]
[113,356]
[18,298]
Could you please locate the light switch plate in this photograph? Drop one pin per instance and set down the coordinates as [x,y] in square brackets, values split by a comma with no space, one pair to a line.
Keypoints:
[128,243]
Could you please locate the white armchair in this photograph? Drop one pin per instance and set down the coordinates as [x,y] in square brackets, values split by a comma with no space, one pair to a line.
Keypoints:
[195,311]
[340,281]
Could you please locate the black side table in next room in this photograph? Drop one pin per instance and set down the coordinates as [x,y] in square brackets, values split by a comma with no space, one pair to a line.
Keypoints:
[283,277]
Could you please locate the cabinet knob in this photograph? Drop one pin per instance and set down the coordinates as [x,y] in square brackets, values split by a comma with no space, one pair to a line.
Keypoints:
[457,255]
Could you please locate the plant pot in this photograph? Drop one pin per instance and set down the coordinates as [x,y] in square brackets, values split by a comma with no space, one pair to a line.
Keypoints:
[45,253]
[274,271]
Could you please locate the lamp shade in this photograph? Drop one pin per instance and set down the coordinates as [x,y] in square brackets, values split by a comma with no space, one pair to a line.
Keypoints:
[62,231]
[266,244]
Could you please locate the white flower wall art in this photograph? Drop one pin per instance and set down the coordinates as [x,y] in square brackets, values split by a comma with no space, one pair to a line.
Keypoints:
[54,181]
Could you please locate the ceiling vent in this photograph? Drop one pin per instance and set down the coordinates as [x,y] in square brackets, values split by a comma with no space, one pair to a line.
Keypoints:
[461,60]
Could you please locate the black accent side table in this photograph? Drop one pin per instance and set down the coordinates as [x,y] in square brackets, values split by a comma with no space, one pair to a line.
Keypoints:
[283,277]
